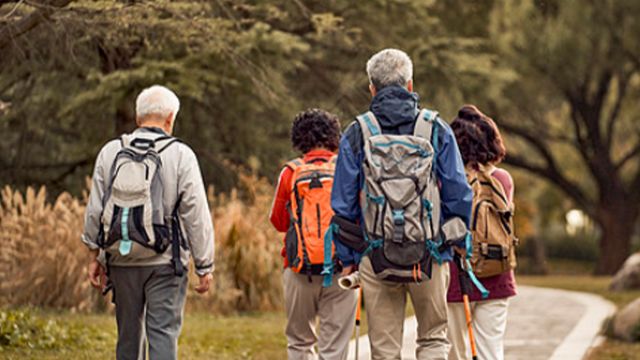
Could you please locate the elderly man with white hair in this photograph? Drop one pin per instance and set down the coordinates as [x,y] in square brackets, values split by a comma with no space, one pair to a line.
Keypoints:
[398,171]
[147,215]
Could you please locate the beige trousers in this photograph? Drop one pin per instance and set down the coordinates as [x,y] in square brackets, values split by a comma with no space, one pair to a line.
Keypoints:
[310,307]
[489,326]
[385,303]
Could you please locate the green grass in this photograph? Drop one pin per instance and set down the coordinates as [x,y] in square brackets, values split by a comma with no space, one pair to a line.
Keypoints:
[204,336]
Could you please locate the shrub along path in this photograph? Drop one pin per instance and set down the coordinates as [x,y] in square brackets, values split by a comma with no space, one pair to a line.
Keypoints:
[542,324]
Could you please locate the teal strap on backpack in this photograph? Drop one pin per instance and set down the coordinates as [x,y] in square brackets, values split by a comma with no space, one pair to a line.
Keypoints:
[483,291]
[434,249]
[469,250]
[372,128]
[432,246]
[327,269]
[429,116]
[125,243]
[373,244]
[376,199]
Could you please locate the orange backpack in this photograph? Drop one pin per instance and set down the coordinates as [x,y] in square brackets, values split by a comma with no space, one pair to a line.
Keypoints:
[311,213]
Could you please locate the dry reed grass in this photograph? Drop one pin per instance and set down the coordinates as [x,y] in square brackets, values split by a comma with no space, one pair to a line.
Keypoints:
[42,261]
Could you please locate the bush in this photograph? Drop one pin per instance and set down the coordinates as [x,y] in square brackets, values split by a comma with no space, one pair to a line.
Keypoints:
[42,262]
[248,263]
[20,328]
[579,247]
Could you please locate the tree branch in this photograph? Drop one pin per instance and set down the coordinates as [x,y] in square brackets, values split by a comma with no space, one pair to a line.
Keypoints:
[623,83]
[10,32]
[571,189]
[550,171]
[635,151]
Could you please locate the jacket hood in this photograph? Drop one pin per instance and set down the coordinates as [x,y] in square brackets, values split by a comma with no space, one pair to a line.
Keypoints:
[395,107]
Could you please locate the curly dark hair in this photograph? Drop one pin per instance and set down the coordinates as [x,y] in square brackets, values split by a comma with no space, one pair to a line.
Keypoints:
[478,137]
[315,128]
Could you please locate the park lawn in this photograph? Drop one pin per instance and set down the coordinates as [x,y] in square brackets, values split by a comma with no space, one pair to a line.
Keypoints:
[611,349]
[258,336]
[204,336]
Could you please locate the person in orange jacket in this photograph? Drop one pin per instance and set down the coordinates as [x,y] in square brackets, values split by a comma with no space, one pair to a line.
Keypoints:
[302,209]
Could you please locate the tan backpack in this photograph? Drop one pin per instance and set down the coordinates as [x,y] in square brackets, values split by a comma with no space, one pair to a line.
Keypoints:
[494,240]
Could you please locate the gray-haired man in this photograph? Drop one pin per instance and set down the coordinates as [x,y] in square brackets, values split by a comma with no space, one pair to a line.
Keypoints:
[397,199]
[147,214]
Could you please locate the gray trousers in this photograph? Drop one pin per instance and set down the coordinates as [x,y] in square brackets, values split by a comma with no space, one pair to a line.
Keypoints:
[149,306]
[310,306]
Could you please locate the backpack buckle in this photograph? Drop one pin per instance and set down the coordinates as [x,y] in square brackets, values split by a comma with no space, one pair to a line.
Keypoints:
[398,217]
[398,228]
[315,181]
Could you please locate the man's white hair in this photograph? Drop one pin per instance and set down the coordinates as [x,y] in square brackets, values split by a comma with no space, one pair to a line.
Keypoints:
[157,100]
[389,67]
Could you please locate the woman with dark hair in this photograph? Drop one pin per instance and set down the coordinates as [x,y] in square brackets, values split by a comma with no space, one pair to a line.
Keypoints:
[316,315]
[482,150]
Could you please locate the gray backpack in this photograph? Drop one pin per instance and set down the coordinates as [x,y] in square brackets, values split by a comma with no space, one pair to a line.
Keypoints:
[134,223]
[400,199]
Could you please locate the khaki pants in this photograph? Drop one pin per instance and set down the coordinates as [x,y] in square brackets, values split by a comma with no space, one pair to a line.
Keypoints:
[385,303]
[489,326]
[308,304]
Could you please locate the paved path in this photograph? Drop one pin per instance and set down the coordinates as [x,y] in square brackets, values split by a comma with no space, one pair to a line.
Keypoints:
[542,324]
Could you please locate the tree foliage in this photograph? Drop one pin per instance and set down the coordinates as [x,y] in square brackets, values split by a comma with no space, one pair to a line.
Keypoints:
[242,70]
[560,77]
[572,107]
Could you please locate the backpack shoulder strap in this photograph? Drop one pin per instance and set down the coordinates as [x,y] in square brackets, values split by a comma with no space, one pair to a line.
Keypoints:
[170,141]
[369,125]
[427,127]
[125,140]
[294,164]
[493,185]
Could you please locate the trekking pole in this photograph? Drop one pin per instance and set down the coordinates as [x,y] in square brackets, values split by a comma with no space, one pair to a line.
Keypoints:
[465,286]
[358,311]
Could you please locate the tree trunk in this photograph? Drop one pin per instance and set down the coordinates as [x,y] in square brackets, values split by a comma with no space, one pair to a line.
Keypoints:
[617,220]
[538,256]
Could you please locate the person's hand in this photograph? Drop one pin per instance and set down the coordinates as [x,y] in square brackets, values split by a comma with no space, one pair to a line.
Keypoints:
[97,274]
[348,270]
[204,283]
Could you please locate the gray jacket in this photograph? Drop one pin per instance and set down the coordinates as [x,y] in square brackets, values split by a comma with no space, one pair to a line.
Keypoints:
[182,177]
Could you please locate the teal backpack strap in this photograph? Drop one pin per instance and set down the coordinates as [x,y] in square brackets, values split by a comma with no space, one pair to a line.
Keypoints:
[425,123]
[427,127]
[369,125]
[483,291]
[327,269]
[468,250]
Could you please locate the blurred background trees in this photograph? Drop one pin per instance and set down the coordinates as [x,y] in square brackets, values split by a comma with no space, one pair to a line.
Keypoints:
[560,78]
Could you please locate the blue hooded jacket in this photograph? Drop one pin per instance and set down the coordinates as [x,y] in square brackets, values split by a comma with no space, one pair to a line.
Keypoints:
[396,109]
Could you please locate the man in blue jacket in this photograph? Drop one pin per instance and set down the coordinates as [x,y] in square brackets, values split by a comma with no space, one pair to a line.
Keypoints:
[395,106]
